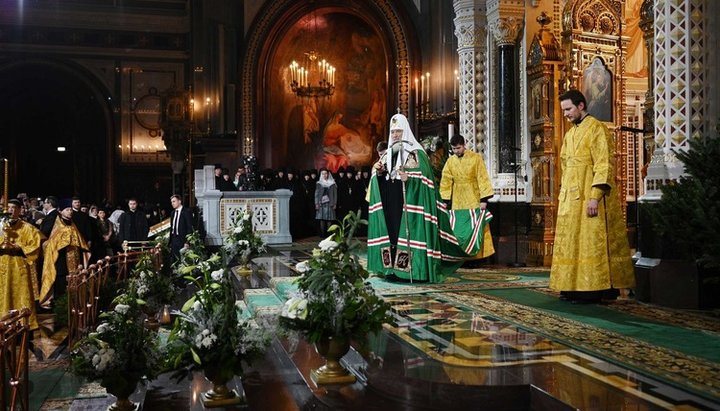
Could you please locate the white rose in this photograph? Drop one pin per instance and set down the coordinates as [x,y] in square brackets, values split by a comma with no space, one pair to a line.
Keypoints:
[122,308]
[295,307]
[328,244]
[217,275]
[303,266]
[197,306]
[243,243]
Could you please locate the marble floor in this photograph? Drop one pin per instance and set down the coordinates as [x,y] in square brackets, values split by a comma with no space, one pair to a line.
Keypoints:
[440,355]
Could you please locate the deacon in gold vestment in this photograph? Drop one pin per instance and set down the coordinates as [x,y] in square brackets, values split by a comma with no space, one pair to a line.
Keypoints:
[466,183]
[591,251]
[65,250]
[18,282]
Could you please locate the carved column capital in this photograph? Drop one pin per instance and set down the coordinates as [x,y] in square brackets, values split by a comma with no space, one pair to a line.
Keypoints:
[470,22]
[506,29]
[470,36]
[505,20]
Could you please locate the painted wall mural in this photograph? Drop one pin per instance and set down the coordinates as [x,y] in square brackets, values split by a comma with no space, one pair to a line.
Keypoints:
[636,64]
[333,132]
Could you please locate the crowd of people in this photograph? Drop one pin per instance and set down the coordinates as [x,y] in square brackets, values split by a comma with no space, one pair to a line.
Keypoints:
[421,227]
[319,197]
[44,240]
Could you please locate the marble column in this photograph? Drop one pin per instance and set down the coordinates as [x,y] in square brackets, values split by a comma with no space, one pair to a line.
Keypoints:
[505,22]
[470,22]
[681,74]
[507,127]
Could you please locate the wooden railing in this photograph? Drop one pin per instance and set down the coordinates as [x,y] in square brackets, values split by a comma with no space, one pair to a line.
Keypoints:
[14,334]
[84,288]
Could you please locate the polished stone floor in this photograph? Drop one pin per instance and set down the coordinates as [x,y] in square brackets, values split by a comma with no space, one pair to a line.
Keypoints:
[440,355]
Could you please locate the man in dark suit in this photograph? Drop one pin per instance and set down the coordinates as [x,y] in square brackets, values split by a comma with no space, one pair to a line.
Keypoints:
[83,222]
[181,224]
[47,223]
[133,226]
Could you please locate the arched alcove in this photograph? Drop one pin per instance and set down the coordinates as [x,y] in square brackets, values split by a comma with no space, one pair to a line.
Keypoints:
[47,105]
[368,42]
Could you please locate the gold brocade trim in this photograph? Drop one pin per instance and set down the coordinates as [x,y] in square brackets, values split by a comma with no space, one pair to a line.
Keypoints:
[689,372]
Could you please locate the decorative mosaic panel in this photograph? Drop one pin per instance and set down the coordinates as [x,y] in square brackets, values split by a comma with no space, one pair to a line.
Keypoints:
[265,213]
[680,54]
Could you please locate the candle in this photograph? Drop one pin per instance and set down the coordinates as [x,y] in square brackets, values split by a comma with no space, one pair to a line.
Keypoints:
[416,92]
[422,88]
[207,108]
[451,131]
[428,88]
[455,84]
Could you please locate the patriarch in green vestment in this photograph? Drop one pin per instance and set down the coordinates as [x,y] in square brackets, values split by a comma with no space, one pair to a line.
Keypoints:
[409,233]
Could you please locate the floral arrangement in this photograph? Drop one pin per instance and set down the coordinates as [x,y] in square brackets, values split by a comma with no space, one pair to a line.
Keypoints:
[194,261]
[334,296]
[153,288]
[121,351]
[241,239]
[210,332]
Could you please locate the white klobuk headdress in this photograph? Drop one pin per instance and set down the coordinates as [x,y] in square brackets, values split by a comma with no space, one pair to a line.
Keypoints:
[408,144]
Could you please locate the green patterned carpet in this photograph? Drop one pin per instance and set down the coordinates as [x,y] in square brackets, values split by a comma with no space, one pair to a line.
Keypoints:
[686,357]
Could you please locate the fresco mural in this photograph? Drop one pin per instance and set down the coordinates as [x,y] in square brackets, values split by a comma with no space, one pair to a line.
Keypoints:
[636,64]
[338,131]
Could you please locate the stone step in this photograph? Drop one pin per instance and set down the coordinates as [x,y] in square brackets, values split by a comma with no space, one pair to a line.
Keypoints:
[261,302]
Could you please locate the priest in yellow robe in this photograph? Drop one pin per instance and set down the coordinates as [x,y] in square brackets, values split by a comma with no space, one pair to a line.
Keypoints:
[466,184]
[64,251]
[18,282]
[591,252]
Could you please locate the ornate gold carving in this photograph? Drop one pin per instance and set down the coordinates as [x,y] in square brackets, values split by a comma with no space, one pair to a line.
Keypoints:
[594,16]
[544,45]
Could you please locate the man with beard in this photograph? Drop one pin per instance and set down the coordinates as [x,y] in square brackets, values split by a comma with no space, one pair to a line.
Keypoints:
[409,233]
[591,252]
[18,284]
[64,251]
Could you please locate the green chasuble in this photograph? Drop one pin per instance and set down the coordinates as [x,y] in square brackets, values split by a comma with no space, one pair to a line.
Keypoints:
[424,227]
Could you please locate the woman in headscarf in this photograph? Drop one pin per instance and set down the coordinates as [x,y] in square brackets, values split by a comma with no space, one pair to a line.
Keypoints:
[325,200]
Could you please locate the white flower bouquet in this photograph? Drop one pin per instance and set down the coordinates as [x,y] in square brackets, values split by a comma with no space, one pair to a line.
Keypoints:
[121,350]
[241,240]
[334,296]
[153,288]
[210,330]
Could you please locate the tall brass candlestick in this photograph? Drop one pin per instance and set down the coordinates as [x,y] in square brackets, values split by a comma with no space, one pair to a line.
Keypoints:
[5,184]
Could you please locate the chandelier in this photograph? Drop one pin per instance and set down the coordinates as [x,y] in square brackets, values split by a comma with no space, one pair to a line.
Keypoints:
[314,77]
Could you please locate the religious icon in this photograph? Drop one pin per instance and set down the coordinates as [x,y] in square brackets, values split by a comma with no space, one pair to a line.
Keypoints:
[598,90]
[536,101]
